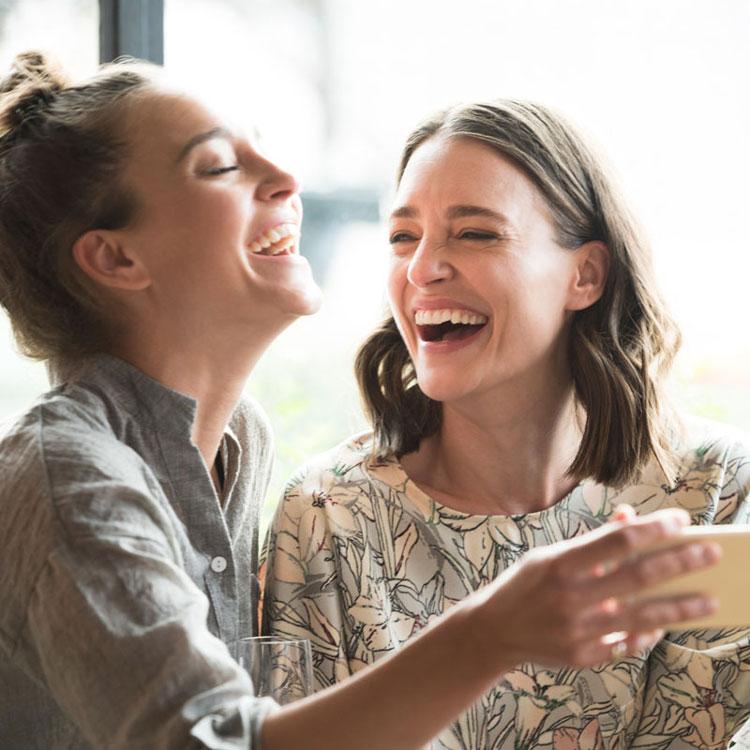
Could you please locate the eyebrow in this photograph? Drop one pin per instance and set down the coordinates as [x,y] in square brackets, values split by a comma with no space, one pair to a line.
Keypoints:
[196,140]
[454,212]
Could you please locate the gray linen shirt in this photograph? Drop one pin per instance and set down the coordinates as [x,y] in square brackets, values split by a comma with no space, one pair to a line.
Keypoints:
[121,576]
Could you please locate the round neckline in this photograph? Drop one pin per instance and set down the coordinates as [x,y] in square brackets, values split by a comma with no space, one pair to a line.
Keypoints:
[433,509]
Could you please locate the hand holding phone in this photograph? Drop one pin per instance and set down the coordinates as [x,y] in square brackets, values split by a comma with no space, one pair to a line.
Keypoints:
[728,580]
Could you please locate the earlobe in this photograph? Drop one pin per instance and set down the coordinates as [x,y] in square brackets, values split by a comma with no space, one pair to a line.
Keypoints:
[592,261]
[102,258]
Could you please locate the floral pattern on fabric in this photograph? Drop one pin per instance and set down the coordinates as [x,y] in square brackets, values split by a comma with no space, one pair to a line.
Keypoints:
[360,560]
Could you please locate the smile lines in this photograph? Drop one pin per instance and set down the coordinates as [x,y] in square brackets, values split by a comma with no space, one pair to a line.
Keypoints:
[280,239]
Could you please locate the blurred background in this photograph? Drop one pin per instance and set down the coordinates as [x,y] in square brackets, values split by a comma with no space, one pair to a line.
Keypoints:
[336,85]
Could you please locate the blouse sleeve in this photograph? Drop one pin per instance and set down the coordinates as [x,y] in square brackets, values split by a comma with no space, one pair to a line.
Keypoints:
[697,692]
[301,597]
[116,630]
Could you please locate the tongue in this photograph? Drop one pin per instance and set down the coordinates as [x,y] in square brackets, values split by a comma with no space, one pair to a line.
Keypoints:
[447,331]
[457,332]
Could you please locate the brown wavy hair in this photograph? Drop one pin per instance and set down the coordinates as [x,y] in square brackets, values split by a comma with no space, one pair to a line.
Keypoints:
[620,347]
[61,149]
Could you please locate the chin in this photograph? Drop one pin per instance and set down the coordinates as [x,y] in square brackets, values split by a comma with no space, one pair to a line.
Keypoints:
[441,389]
[452,381]
[304,300]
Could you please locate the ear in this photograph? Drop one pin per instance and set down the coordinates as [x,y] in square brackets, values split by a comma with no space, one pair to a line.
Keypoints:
[102,257]
[592,261]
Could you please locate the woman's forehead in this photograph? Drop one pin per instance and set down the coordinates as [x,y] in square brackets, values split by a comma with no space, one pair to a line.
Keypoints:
[465,170]
[160,123]
[171,119]
[178,111]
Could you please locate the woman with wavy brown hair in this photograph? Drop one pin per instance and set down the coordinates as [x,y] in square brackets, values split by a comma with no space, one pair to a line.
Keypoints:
[516,398]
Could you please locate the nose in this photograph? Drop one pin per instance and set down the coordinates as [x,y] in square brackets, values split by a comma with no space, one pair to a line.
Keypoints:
[428,265]
[275,183]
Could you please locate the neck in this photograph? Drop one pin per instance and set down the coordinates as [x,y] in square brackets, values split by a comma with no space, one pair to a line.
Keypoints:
[212,370]
[505,454]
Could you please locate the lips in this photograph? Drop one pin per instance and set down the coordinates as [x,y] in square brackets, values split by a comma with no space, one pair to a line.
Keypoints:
[448,324]
[280,240]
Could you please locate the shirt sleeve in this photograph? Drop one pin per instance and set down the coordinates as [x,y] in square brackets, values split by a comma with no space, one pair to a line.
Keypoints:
[697,692]
[301,597]
[117,632]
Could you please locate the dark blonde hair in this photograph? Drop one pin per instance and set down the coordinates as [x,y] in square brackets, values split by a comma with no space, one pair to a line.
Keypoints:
[620,347]
[61,151]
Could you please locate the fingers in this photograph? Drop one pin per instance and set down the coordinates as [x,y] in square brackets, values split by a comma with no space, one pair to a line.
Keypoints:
[619,646]
[574,593]
[642,572]
[641,625]
[642,616]
[614,542]
[612,633]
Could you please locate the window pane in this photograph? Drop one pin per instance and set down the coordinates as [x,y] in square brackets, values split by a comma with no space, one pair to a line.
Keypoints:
[69,30]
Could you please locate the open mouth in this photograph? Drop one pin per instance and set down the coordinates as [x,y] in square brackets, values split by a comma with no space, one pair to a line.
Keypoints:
[281,240]
[448,325]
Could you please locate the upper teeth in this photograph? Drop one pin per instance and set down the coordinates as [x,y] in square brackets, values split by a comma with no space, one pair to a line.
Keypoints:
[436,317]
[276,240]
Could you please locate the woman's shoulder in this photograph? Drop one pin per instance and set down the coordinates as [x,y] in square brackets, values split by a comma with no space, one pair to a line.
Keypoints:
[713,472]
[67,454]
[343,465]
[56,424]
[63,466]
[704,441]
[333,485]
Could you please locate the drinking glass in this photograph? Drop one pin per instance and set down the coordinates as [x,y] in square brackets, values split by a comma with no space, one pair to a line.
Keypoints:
[280,669]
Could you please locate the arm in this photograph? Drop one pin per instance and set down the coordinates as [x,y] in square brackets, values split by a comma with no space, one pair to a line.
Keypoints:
[550,608]
[116,631]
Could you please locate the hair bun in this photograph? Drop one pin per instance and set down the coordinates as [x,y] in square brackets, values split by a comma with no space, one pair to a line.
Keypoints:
[28,89]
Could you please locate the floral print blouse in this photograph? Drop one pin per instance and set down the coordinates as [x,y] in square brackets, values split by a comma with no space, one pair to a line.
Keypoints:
[359,560]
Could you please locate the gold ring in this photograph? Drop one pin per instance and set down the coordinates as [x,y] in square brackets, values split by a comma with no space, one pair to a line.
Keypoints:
[618,650]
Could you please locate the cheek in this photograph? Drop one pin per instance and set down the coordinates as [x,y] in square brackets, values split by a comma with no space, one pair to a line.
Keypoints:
[396,285]
[542,314]
[223,215]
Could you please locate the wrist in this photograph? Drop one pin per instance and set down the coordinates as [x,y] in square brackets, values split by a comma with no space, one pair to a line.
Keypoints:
[477,639]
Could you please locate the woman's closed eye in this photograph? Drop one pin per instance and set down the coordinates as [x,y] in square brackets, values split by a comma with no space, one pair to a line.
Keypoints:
[474,234]
[216,171]
[398,237]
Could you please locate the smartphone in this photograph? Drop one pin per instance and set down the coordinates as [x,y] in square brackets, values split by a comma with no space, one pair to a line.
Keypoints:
[728,579]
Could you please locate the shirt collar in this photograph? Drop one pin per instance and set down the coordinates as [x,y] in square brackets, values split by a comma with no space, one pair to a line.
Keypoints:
[139,395]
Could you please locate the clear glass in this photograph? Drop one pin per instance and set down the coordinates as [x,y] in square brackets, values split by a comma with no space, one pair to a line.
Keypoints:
[279,669]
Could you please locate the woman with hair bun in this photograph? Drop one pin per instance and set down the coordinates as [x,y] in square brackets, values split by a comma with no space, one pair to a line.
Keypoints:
[516,400]
[148,254]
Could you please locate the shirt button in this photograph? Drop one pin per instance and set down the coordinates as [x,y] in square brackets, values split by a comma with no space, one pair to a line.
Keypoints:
[219,564]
